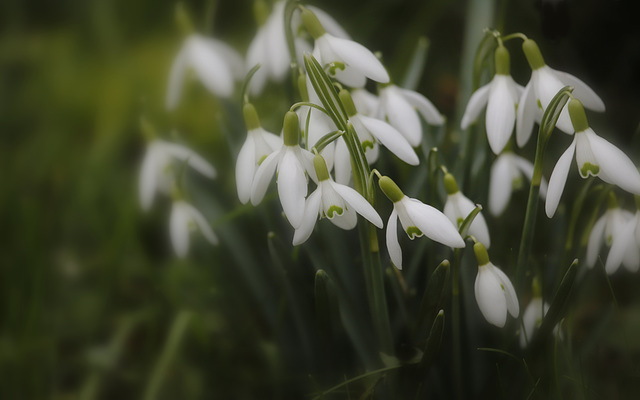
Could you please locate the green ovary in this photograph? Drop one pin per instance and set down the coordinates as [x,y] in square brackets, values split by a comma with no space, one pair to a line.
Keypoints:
[334,210]
[413,231]
[588,168]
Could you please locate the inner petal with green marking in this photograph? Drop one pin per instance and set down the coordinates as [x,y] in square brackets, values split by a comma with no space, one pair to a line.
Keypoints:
[589,169]
[367,145]
[334,210]
[413,232]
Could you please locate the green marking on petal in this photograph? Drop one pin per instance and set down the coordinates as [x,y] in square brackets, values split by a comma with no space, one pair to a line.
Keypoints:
[334,210]
[336,65]
[262,159]
[502,287]
[609,240]
[413,232]
[517,183]
[540,105]
[589,169]
[367,145]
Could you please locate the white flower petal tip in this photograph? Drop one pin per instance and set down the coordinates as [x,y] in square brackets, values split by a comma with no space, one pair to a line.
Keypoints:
[458,207]
[185,218]
[495,295]
[507,174]
[532,319]
[258,145]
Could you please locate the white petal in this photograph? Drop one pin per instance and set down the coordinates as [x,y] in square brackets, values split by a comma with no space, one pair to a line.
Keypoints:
[263,176]
[558,180]
[547,85]
[490,297]
[391,139]
[365,102]
[195,161]
[347,221]
[476,103]
[305,159]
[202,223]
[509,292]
[210,67]
[311,212]
[179,229]
[358,203]
[292,187]
[532,314]
[176,79]
[526,168]
[328,23]
[342,163]
[501,114]
[278,53]
[245,169]
[621,242]
[148,176]
[393,247]
[428,111]
[584,93]
[500,184]
[358,57]
[433,224]
[402,116]
[615,167]
[256,54]
[526,115]
[230,56]
[595,240]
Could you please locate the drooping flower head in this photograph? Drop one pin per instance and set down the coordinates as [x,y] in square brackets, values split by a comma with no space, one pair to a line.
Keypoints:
[184,219]
[607,229]
[417,219]
[595,156]
[458,207]
[625,246]
[494,292]
[501,97]
[533,315]
[339,203]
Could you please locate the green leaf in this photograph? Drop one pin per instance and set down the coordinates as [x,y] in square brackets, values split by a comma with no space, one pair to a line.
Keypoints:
[325,90]
[246,82]
[433,342]
[434,297]
[416,66]
[483,54]
[560,301]
[552,112]
[326,139]
[464,227]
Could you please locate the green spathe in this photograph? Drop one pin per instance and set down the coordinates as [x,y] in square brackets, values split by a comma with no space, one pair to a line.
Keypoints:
[312,23]
[291,129]
[390,189]
[503,61]
[481,254]
[532,52]
[578,116]
[250,116]
[321,168]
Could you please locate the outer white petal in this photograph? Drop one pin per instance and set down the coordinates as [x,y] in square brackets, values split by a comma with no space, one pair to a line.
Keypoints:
[391,139]
[256,54]
[595,240]
[179,229]
[359,57]
[500,185]
[509,292]
[263,176]
[292,187]
[490,297]
[210,67]
[621,243]
[231,57]
[433,223]
[478,227]
[305,157]
[393,246]
[582,91]
[202,223]
[342,163]
[245,169]
[402,116]
[194,160]
[278,53]
[311,213]
[366,103]
[501,114]
[547,85]
[347,221]
[615,166]
[527,112]
[358,203]
[148,176]
[428,111]
[328,23]
[558,180]
[476,103]
[532,314]
[176,79]
[526,168]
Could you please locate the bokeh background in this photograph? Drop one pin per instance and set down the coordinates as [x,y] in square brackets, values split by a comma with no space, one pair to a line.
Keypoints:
[93,304]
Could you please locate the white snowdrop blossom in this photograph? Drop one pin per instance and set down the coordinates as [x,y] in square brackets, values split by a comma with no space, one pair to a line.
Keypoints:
[625,246]
[402,107]
[501,97]
[595,156]
[339,203]
[159,168]
[458,207]
[544,84]
[532,319]
[506,175]
[256,148]
[215,64]
[417,219]
[607,228]
[291,162]
[354,62]
[366,103]
[494,292]
[184,219]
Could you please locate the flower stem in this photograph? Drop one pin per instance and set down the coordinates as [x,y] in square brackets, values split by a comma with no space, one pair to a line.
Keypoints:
[457,339]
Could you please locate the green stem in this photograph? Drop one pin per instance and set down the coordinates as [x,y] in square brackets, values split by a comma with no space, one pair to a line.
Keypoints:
[457,339]
[357,378]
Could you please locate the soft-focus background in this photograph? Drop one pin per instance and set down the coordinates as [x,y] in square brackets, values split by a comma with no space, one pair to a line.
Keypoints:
[93,303]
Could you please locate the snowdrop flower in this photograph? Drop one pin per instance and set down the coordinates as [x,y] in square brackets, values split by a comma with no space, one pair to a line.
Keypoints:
[625,247]
[493,290]
[215,64]
[157,173]
[291,163]
[417,219]
[506,175]
[359,63]
[458,207]
[501,97]
[607,229]
[366,103]
[595,156]
[184,219]
[544,84]
[401,108]
[339,203]
[256,148]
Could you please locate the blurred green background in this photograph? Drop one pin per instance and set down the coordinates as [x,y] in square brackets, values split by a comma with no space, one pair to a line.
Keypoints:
[93,303]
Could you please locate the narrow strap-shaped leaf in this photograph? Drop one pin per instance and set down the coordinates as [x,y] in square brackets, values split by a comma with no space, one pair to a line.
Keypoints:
[433,342]
[483,54]
[560,301]
[434,297]
[552,112]
[245,84]
[464,227]
[325,90]
[416,66]
[326,140]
